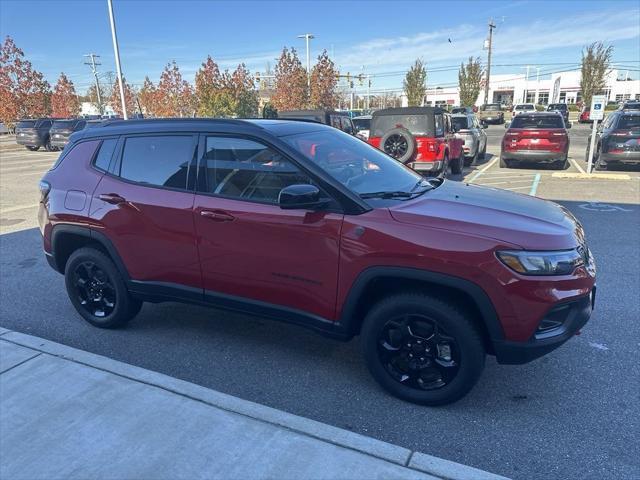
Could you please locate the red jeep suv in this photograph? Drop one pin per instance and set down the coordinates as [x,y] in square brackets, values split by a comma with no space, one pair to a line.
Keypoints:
[423,138]
[303,223]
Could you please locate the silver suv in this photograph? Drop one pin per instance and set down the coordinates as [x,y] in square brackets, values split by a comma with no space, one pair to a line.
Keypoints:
[469,129]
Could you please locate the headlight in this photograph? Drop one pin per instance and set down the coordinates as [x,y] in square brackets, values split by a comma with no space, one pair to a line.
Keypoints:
[560,262]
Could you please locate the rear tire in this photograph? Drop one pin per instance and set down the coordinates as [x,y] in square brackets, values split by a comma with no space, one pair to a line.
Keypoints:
[97,290]
[48,147]
[440,371]
[561,165]
[458,165]
[32,149]
[503,163]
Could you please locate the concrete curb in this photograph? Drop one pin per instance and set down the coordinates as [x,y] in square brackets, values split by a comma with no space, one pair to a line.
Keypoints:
[392,453]
[596,176]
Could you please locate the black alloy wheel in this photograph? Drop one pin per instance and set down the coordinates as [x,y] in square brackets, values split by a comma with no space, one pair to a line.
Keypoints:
[94,289]
[396,145]
[418,353]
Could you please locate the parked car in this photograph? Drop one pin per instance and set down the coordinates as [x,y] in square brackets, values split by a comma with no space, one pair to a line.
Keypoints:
[34,133]
[422,138]
[3,129]
[584,115]
[340,120]
[630,105]
[362,126]
[561,108]
[470,130]
[521,108]
[539,137]
[491,113]
[61,130]
[617,140]
[432,274]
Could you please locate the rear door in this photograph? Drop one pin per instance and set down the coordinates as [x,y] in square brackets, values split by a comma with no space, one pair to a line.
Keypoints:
[144,205]
[251,248]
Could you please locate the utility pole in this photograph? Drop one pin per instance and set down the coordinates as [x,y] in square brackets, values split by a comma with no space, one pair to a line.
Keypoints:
[526,85]
[368,91]
[486,86]
[116,52]
[307,37]
[537,83]
[93,64]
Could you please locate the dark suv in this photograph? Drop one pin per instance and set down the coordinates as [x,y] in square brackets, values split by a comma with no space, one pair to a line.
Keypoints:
[423,138]
[34,133]
[561,108]
[340,120]
[61,130]
[617,140]
[303,223]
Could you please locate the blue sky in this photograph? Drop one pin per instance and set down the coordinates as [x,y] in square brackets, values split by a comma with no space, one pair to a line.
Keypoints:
[377,37]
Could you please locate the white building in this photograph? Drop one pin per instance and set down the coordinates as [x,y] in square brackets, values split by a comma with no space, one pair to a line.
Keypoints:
[88,108]
[562,87]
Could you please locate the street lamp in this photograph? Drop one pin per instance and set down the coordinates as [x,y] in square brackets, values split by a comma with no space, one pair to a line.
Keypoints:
[307,37]
[116,52]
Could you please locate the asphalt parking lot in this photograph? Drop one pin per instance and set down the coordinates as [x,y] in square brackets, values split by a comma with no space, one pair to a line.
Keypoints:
[572,414]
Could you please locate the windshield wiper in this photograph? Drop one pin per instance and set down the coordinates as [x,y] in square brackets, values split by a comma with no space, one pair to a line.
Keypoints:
[387,194]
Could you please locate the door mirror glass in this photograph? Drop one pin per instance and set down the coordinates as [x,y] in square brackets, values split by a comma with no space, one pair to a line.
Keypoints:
[300,197]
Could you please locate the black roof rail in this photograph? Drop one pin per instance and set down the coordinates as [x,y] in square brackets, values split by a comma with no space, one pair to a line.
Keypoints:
[146,121]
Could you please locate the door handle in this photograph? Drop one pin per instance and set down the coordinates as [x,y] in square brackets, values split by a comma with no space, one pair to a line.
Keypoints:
[112,198]
[217,215]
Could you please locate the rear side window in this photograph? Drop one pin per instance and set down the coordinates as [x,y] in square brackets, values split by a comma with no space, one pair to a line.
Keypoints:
[157,160]
[629,121]
[106,152]
[80,152]
[439,125]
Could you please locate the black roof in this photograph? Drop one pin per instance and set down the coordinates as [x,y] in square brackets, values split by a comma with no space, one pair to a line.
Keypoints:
[409,111]
[285,113]
[219,125]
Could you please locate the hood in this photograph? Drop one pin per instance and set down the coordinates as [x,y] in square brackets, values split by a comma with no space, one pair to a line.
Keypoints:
[521,220]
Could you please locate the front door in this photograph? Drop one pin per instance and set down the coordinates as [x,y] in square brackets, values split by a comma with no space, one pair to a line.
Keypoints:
[251,248]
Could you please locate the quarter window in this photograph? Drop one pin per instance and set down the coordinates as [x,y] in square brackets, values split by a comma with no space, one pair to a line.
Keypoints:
[104,155]
[246,170]
[157,160]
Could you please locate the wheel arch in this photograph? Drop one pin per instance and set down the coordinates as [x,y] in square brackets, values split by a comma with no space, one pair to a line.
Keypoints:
[65,239]
[375,282]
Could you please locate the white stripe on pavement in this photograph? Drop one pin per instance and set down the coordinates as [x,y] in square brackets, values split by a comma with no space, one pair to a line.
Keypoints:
[484,169]
[575,164]
[19,207]
[502,183]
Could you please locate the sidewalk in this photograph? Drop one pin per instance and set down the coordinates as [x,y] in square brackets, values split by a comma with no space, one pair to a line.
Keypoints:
[65,413]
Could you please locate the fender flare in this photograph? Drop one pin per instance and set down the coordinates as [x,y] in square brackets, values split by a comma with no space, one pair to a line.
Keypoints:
[351,324]
[98,237]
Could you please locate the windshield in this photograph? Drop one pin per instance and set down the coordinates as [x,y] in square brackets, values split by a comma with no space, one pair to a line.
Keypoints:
[557,106]
[629,121]
[491,107]
[361,123]
[26,124]
[537,121]
[631,106]
[62,124]
[354,163]
[460,123]
[459,110]
[416,124]
[525,107]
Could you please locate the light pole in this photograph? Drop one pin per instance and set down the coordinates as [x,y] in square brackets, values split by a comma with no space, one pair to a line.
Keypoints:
[526,85]
[307,37]
[489,46]
[537,83]
[116,52]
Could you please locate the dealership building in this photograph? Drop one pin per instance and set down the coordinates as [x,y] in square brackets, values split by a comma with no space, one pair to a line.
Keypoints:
[561,87]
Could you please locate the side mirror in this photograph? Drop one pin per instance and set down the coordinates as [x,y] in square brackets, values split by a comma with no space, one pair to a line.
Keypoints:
[506,124]
[485,125]
[568,125]
[300,197]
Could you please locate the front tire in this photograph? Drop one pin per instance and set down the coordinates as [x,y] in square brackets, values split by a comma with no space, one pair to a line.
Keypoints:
[97,290]
[32,149]
[422,349]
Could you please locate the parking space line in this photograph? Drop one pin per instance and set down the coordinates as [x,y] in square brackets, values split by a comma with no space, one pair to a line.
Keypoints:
[534,187]
[575,164]
[484,169]
[19,207]
[518,188]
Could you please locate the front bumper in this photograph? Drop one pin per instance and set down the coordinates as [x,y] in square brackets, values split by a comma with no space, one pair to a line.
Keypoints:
[29,141]
[59,142]
[631,158]
[542,156]
[574,315]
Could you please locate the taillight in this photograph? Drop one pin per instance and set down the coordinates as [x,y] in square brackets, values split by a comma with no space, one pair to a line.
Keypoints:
[44,187]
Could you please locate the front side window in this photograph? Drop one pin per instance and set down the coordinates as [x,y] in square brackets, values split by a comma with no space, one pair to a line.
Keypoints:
[246,170]
[157,160]
[357,165]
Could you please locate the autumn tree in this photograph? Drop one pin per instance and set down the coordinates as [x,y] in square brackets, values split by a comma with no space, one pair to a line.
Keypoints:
[95,100]
[175,96]
[470,78]
[148,97]
[64,100]
[415,83]
[23,91]
[244,93]
[324,80]
[129,98]
[214,91]
[291,89]
[596,63]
